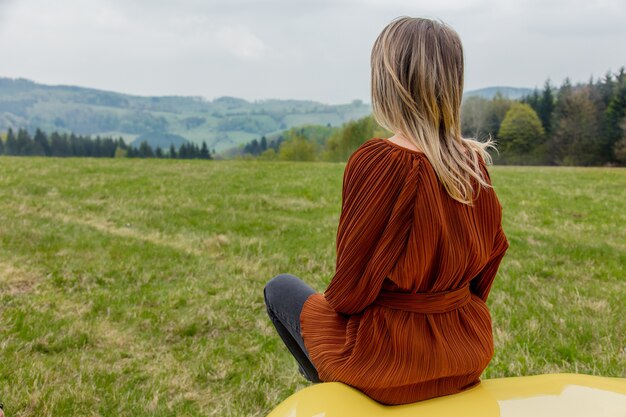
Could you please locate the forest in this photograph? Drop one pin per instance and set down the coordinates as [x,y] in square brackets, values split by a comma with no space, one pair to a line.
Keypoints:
[71,145]
[582,124]
[222,122]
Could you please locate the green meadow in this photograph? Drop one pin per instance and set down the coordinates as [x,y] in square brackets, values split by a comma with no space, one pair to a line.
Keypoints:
[135,287]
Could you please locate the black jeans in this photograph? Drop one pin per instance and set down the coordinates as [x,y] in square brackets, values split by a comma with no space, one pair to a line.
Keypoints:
[285,295]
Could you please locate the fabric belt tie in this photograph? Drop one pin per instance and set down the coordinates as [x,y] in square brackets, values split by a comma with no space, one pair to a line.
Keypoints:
[425,302]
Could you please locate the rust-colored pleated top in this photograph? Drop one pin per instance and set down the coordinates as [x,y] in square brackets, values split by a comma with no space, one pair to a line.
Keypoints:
[404,317]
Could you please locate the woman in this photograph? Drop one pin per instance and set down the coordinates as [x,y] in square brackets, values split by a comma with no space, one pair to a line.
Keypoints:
[419,239]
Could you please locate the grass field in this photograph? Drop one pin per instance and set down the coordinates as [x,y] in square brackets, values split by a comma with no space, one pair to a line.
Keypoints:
[134,287]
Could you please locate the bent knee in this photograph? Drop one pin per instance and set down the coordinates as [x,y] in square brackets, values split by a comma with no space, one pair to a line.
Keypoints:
[278,285]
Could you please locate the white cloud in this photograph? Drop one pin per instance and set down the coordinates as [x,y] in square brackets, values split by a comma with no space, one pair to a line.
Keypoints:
[307,49]
[241,42]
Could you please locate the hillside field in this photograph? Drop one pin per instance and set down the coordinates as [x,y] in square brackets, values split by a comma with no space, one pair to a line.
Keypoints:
[224,123]
[135,287]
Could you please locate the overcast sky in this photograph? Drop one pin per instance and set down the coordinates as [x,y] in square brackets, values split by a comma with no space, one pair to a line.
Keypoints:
[301,49]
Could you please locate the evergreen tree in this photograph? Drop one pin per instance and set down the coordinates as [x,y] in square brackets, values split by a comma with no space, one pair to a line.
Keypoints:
[619,150]
[158,152]
[11,143]
[172,152]
[255,147]
[533,100]
[613,116]
[605,88]
[60,145]
[247,148]
[182,151]
[110,146]
[121,144]
[42,141]
[546,107]
[85,146]
[275,144]
[76,148]
[98,148]
[23,143]
[560,112]
[145,151]
[204,151]
[263,143]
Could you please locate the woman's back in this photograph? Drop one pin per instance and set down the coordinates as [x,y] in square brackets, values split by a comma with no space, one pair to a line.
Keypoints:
[404,317]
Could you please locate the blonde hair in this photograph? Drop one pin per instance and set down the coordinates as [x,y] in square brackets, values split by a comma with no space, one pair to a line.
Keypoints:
[417,87]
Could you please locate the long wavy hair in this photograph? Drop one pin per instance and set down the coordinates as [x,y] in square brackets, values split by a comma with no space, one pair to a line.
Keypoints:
[417,88]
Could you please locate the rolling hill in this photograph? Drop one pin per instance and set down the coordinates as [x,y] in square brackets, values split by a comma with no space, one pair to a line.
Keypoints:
[513,93]
[223,123]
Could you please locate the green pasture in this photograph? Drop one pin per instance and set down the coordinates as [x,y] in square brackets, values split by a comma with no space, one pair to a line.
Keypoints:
[135,287]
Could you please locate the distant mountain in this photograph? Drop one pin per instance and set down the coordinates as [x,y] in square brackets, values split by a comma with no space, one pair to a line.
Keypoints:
[223,122]
[513,93]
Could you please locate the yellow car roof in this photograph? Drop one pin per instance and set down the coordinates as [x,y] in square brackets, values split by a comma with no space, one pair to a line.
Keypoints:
[564,395]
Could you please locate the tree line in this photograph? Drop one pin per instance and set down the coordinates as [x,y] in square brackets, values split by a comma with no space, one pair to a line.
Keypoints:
[313,142]
[56,144]
[582,124]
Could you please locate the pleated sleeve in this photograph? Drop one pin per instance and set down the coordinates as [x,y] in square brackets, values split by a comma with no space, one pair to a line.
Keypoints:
[481,283]
[372,228]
